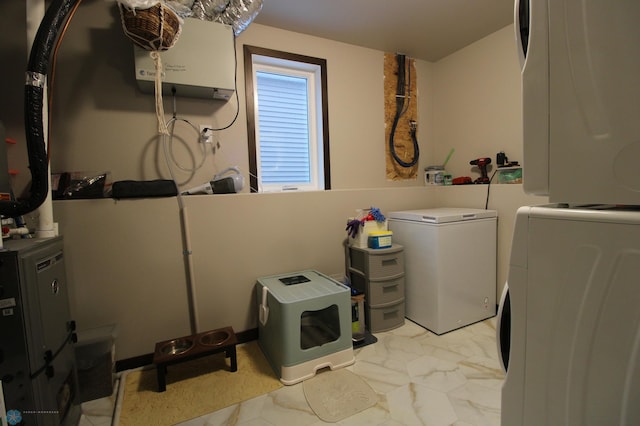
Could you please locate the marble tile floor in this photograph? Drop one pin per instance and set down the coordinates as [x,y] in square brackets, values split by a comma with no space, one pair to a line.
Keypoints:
[420,379]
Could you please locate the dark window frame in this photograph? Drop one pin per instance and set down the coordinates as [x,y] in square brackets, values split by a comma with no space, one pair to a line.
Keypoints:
[248,52]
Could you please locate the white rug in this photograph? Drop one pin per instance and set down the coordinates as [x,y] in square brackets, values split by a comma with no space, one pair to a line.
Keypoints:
[337,394]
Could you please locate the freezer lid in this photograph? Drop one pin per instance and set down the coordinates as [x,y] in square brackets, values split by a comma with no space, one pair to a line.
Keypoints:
[443,215]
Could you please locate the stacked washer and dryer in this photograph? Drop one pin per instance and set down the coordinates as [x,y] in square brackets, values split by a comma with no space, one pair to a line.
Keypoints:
[450,265]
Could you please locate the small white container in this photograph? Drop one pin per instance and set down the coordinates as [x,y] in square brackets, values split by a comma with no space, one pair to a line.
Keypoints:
[434,175]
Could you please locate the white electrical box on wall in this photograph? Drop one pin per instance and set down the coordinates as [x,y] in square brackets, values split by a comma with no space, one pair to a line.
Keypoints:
[201,64]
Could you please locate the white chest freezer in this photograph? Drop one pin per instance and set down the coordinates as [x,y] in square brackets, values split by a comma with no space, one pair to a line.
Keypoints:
[450,265]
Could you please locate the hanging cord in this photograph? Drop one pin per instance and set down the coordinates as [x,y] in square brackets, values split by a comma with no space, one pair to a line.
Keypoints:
[486,204]
[235,83]
[401,109]
[162,125]
[171,124]
[171,131]
[166,147]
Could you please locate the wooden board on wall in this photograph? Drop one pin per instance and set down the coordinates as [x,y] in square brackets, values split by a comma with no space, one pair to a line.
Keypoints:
[402,141]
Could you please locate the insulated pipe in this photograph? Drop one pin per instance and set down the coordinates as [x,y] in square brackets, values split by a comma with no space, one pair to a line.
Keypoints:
[36,76]
[46,227]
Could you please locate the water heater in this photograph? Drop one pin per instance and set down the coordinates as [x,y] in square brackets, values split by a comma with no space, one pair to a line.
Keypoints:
[201,64]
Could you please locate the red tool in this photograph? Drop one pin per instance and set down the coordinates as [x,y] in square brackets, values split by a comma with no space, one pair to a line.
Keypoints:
[482,165]
[462,180]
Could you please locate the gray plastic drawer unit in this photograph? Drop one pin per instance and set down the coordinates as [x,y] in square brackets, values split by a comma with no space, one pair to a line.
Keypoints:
[304,324]
[379,274]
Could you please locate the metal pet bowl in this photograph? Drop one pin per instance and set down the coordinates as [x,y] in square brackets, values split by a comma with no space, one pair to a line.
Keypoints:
[214,338]
[176,346]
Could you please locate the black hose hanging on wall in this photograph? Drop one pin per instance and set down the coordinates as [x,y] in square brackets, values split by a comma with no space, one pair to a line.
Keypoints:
[36,76]
[400,110]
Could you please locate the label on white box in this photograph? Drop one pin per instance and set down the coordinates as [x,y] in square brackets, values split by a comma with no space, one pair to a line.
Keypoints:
[384,241]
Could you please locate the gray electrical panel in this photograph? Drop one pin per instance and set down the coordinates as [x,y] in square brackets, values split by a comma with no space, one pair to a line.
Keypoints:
[200,64]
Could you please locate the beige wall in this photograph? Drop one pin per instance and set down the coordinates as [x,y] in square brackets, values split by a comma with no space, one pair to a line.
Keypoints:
[104,123]
[126,265]
[477,112]
[477,98]
[125,259]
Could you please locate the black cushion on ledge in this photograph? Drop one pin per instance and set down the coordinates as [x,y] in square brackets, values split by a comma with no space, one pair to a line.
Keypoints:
[144,189]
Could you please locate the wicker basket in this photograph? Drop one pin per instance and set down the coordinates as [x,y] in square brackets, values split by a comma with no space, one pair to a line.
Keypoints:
[156,28]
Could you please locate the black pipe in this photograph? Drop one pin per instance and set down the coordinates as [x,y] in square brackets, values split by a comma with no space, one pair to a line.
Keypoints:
[37,68]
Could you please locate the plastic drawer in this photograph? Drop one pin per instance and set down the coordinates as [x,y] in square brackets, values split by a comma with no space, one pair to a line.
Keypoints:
[378,292]
[378,263]
[385,318]
[359,282]
[385,292]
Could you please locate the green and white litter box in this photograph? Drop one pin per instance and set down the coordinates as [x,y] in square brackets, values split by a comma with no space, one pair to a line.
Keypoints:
[304,324]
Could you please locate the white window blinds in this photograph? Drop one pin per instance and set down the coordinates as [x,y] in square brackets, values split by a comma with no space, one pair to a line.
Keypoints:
[283,128]
[287,121]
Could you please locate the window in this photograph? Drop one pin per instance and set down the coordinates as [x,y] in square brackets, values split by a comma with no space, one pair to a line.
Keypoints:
[287,121]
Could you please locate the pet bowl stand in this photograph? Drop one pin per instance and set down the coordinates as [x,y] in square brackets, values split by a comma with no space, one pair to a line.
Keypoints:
[191,347]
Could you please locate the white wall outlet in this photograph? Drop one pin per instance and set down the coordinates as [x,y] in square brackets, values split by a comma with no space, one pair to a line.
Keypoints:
[206,133]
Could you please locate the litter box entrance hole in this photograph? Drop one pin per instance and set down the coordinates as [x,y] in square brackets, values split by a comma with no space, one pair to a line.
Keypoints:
[323,369]
[319,327]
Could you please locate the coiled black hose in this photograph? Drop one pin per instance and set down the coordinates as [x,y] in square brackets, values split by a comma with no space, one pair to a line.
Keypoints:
[55,17]
[400,110]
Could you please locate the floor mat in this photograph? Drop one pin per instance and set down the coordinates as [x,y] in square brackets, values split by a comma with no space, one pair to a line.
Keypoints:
[336,395]
[195,388]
